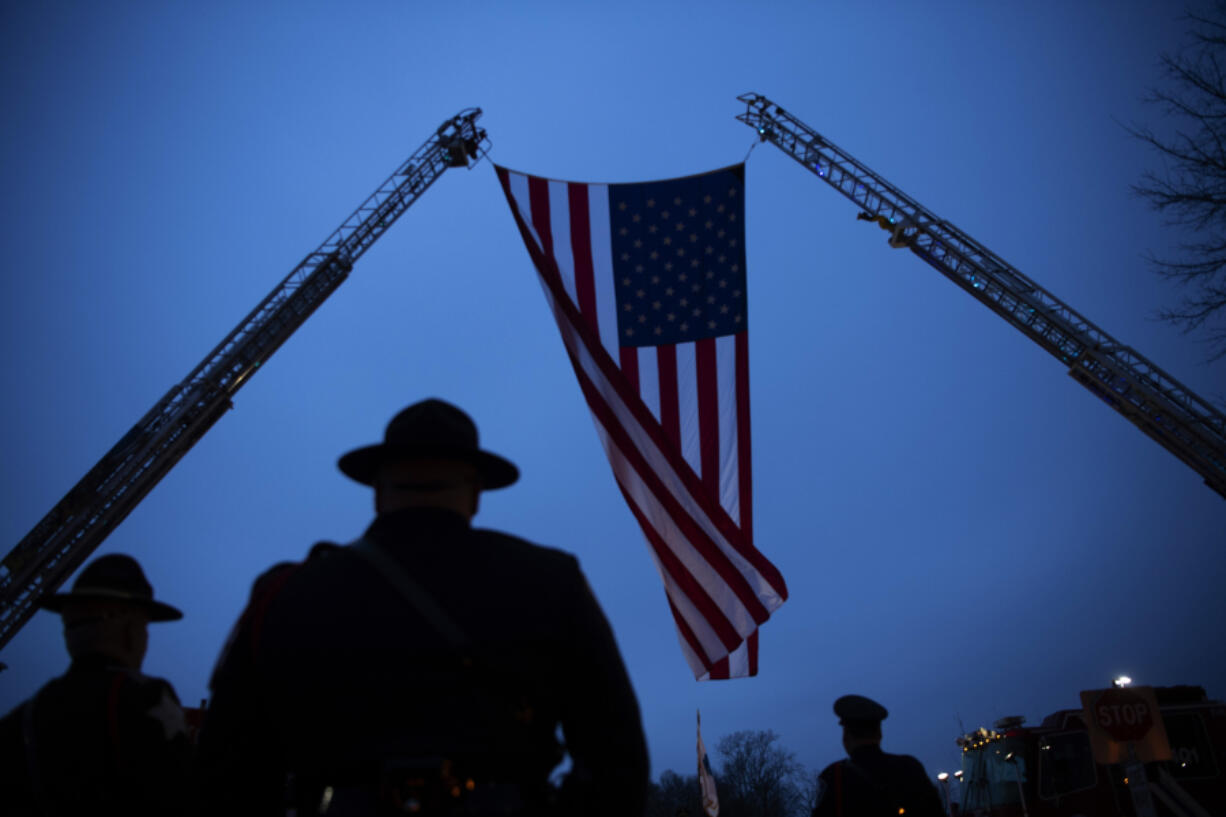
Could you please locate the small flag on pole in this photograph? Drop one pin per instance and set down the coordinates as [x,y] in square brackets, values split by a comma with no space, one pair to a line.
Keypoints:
[647,284]
[710,800]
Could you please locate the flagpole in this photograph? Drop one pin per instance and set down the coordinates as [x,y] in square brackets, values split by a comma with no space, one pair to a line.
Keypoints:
[706,780]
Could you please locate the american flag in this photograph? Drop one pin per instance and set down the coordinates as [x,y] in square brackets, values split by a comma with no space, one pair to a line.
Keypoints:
[706,779]
[647,284]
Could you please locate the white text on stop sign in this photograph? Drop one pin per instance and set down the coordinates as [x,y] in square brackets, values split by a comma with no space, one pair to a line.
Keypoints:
[1122,714]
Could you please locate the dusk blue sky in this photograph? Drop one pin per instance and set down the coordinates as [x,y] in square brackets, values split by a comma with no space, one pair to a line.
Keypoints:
[966,532]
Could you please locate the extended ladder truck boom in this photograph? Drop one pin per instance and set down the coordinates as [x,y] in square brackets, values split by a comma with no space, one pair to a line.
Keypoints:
[78,523]
[1175,417]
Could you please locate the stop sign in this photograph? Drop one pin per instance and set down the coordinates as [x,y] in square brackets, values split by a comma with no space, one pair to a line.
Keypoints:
[1125,724]
[1123,714]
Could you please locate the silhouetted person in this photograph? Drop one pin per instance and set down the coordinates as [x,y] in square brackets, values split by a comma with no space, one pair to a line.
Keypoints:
[102,739]
[427,665]
[870,782]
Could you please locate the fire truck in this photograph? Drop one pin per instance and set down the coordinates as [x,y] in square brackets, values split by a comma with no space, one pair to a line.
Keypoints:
[1049,770]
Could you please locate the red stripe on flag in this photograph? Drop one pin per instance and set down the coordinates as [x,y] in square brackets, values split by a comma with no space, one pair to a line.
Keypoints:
[538,198]
[670,412]
[752,647]
[719,671]
[708,414]
[629,362]
[581,246]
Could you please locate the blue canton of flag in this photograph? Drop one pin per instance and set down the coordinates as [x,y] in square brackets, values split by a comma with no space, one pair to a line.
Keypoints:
[678,258]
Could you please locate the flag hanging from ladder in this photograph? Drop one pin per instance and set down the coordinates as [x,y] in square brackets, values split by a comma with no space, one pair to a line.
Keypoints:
[647,284]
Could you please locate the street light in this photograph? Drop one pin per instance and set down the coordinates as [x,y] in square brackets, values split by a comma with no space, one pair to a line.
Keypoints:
[1017,775]
[944,778]
[1121,682]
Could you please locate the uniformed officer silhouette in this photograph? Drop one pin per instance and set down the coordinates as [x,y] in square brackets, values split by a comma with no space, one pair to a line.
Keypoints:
[102,739]
[870,782]
[426,667]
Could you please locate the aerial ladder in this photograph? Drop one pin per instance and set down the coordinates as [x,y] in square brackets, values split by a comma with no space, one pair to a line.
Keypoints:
[1158,404]
[108,492]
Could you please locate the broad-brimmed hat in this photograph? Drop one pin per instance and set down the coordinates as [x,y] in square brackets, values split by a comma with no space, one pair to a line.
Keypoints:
[431,428]
[860,710]
[114,577]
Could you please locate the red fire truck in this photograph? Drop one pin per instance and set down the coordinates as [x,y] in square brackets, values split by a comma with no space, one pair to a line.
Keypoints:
[1014,770]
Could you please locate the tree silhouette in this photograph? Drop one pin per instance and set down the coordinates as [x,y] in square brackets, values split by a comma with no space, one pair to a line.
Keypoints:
[758,777]
[674,795]
[1191,189]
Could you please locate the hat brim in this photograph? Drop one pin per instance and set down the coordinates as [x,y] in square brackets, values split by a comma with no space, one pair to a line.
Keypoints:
[362,464]
[857,709]
[157,610]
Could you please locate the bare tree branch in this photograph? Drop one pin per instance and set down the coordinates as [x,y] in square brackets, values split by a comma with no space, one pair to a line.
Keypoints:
[758,777]
[1191,189]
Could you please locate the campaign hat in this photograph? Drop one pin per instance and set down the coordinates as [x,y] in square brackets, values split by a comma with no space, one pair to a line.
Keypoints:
[432,428]
[859,710]
[114,577]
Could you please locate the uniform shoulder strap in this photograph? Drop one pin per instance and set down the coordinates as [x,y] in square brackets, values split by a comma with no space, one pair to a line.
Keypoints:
[416,596]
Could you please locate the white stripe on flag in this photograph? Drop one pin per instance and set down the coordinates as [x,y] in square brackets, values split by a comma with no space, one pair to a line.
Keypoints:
[559,225]
[687,405]
[602,266]
[649,380]
[692,660]
[738,660]
[519,190]
[729,468]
